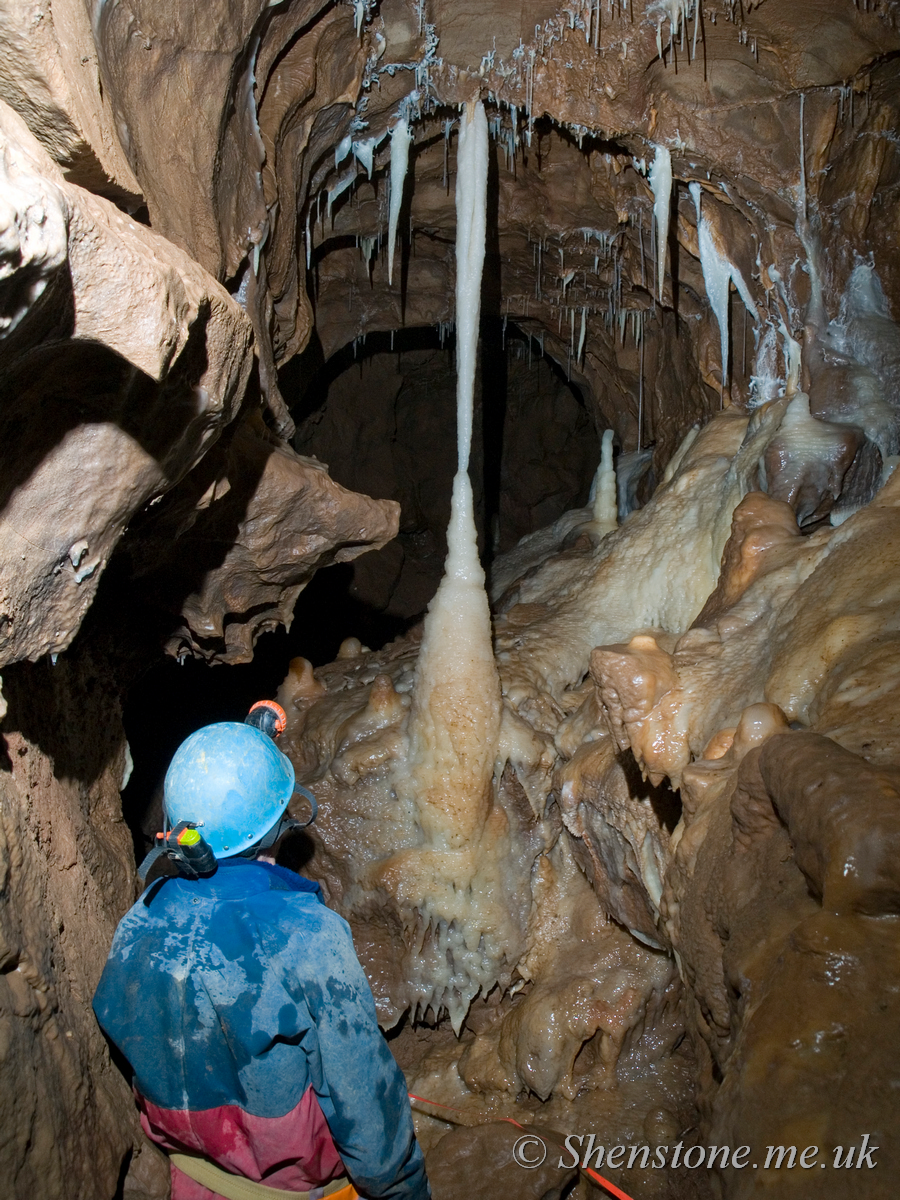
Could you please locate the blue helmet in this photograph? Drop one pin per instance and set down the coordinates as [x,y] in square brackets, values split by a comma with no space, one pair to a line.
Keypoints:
[231,780]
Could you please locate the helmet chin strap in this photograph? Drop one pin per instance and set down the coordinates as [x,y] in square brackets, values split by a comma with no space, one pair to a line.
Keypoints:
[284,824]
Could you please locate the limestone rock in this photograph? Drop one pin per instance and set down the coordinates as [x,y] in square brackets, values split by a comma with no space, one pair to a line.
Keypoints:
[66,876]
[254,524]
[51,77]
[133,357]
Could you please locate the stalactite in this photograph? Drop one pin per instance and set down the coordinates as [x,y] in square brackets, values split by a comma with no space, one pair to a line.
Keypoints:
[365,152]
[802,159]
[718,275]
[640,422]
[399,164]
[661,183]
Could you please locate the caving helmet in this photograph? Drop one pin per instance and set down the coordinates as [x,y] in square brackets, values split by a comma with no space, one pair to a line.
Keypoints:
[231,781]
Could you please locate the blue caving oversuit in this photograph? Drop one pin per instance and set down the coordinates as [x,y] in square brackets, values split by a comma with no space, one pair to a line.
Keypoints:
[250,1027]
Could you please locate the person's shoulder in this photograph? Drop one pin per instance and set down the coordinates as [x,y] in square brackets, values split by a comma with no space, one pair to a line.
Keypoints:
[305,912]
[260,892]
[283,879]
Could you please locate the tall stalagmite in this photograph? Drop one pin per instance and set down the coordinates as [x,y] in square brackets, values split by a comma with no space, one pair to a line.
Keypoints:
[455,717]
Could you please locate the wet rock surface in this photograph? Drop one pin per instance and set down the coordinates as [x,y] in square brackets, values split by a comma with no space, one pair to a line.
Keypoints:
[458,1164]
[66,871]
[254,524]
[133,357]
[671,911]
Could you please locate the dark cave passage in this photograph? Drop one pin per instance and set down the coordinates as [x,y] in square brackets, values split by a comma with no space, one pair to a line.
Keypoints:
[382,415]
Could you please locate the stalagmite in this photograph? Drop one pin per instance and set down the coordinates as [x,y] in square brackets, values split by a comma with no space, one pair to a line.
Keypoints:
[792,353]
[683,541]
[661,183]
[604,501]
[447,889]
[807,460]
[399,164]
[455,715]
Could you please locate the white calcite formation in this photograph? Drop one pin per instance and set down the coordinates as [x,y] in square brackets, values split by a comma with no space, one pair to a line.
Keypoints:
[450,797]
[399,165]
[604,502]
[454,718]
[718,275]
[477,841]
[661,183]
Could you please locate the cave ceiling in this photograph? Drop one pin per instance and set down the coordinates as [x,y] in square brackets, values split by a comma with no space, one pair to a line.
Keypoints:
[248,149]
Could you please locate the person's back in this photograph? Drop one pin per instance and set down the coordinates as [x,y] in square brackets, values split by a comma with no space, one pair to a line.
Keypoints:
[246,1018]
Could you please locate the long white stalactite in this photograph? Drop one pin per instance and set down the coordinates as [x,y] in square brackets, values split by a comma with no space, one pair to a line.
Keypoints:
[399,165]
[718,274]
[471,223]
[661,185]
[455,716]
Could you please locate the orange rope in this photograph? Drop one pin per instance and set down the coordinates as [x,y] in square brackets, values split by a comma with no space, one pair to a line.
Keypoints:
[485,1117]
[605,1183]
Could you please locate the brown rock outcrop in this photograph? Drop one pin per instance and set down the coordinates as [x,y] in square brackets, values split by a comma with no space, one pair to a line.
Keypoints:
[254,524]
[66,876]
[134,357]
[800,842]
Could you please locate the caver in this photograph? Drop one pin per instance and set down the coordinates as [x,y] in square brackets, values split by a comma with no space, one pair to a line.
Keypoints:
[239,1002]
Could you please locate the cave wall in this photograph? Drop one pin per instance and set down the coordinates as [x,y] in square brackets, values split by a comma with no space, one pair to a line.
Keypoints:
[67,875]
[159,273]
[129,419]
